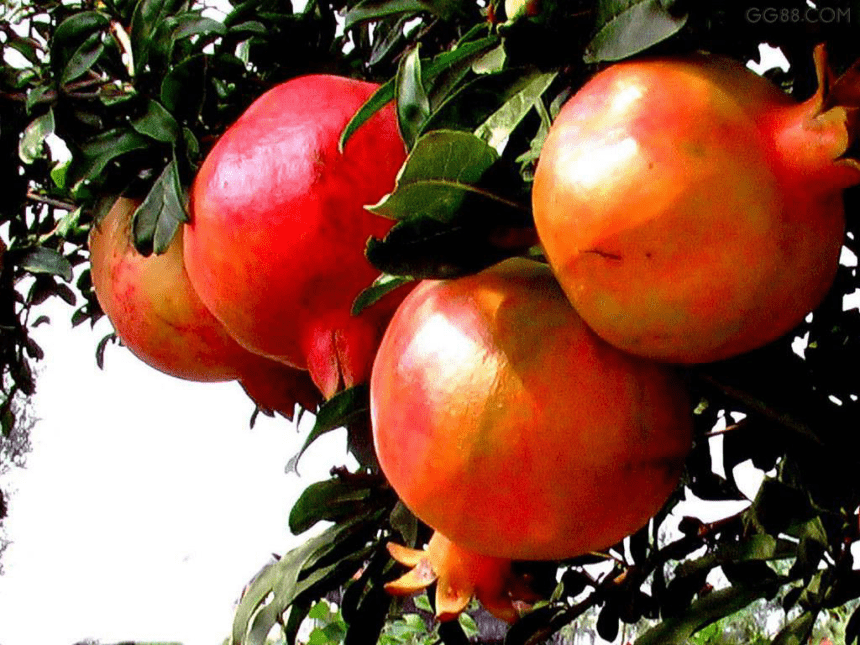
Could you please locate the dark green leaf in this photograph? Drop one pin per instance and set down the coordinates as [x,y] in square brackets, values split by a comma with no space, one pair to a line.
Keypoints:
[410,97]
[157,219]
[798,631]
[812,547]
[376,9]
[335,413]
[298,612]
[382,286]
[328,500]
[425,248]
[193,24]
[183,87]
[432,72]
[73,31]
[100,349]
[498,127]
[84,57]
[852,628]
[104,148]
[156,123]
[441,170]
[27,47]
[404,522]
[32,143]
[44,260]
[323,562]
[631,26]
[148,16]
[607,621]
[640,544]
[677,630]
[536,627]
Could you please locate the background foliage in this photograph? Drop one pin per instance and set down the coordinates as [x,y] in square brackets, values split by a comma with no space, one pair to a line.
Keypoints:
[103,97]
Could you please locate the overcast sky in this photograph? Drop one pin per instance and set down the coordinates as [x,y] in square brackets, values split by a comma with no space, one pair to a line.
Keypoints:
[147,502]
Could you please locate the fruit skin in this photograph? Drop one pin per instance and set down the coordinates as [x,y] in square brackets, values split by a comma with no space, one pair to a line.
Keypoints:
[275,246]
[690,209]
[159,317]
[505,424]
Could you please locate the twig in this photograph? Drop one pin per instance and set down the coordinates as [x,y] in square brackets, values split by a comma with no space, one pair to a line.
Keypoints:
[50,201]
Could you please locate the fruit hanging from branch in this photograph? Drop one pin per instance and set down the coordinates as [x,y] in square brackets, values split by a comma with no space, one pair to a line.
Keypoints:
[512,430]
[159,317]
[690,209]
[275,246]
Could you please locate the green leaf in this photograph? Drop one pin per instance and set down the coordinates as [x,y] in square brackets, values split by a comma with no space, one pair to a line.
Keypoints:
[71,32]
[377,9]
[37,95]
[193,24]
[404,522]
[32,143]
[476,101]
[423,248]
[677,630]
[337,412]
[27,47]
[322,563]
[156,123]
[157,219]
[435,71]
[798,631]
[82,60]
[441,170]
[382,286]
[99,151]
[148,16]
[330,500]
[41,259]
[413,106]
[628,27]
[498,128]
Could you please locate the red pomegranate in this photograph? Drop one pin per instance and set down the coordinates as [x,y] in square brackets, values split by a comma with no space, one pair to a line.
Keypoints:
[159,317]
[276,243]
[510,428]
[690,209]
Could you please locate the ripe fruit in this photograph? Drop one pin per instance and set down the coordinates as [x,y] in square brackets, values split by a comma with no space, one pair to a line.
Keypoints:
[159,317]
[690,209]
[275,245]
[505,424]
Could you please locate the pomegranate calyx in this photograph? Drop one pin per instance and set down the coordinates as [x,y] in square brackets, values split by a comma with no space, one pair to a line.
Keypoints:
[835,105]
[460,575]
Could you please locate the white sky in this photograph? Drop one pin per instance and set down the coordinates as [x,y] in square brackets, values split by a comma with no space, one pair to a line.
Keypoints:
[147,503]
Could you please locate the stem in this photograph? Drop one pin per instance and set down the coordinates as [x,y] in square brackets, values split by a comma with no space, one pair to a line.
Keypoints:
[763,408]
[49,201]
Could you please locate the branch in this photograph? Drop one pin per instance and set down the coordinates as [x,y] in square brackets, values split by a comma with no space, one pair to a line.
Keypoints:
[49,201]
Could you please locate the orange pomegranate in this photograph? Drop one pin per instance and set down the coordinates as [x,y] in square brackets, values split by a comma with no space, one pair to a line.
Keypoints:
[690,209]
[511,429]
[275,246]
[159,317]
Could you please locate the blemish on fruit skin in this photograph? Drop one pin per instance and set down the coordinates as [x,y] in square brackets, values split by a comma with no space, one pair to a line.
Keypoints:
[604,254]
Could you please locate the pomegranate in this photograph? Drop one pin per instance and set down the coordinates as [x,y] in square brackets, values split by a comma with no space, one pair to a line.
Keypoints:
[159,317]
[510,428]
[275,244]
[690,209]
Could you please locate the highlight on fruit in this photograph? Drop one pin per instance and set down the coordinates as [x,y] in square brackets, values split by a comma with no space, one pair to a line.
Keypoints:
[691,210]
[516,433]
[275,245]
